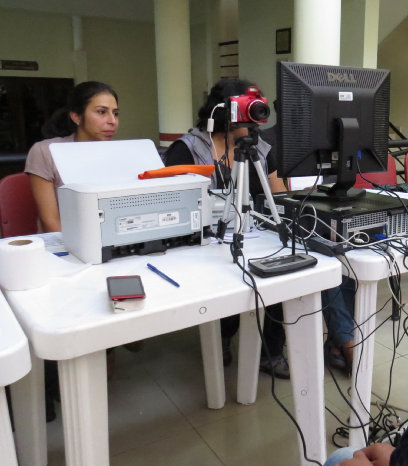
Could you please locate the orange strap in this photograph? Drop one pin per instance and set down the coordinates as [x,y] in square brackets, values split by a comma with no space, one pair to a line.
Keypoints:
[205,170]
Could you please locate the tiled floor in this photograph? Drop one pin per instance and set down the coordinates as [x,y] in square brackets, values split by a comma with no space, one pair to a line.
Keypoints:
[158,414]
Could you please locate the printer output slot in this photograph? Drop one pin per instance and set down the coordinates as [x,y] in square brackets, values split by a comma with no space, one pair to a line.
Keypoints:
[148,247]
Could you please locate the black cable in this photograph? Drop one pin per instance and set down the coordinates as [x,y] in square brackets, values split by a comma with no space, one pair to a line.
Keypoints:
[362,425]
[379,416]
[396,282]
[253,285]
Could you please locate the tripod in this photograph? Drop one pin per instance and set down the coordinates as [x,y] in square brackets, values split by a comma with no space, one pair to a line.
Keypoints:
[245,150]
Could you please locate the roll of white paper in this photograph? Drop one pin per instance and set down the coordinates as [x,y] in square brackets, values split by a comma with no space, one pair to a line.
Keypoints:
[22,263]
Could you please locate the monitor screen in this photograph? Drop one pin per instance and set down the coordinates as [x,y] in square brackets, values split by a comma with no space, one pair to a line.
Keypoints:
[332,120]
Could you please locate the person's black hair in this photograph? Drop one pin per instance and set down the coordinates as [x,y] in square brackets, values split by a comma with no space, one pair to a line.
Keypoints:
[225,87]
[60,123]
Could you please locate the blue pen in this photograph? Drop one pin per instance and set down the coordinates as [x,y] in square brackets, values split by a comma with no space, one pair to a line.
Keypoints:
[163,275]
[60,254]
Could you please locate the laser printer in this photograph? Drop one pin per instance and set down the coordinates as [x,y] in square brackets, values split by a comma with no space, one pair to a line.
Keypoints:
[107,212]
[101,222]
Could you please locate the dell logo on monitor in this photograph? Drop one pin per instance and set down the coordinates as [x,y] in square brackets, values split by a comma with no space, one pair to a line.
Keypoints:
[341,77]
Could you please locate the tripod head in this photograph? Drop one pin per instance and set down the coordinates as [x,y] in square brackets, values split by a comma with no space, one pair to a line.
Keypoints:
[251,139]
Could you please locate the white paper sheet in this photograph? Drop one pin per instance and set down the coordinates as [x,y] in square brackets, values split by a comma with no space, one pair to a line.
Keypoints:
[61,267]
[303,182]
[99,162]
[53,242]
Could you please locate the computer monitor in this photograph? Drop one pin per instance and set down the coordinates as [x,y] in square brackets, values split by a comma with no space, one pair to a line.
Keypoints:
[332,120]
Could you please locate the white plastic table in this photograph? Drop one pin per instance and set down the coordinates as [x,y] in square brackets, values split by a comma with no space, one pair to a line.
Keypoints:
[71,320]
[14,364]
[369,268]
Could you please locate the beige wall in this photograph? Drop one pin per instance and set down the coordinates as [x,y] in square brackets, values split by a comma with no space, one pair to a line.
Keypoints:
[227,20]
[122,54]
[257,29]
[45,38]
[118,52]
[352,33]
[359,33]
[392,55]
[198,67]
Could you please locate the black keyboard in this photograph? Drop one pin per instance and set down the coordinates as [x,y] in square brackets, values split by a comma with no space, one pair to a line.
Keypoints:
[402,187]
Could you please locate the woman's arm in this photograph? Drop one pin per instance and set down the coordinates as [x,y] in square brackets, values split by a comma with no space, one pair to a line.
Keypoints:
[277,185]
[44,195]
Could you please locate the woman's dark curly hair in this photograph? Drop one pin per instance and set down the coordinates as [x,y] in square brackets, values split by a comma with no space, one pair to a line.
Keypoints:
[225,87]
[60,123]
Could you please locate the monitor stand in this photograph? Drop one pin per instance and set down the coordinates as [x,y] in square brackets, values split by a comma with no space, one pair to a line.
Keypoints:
[325,192]
[331,192]
[343,189]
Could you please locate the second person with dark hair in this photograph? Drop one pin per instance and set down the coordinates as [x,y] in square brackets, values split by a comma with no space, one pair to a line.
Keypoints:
[198,147]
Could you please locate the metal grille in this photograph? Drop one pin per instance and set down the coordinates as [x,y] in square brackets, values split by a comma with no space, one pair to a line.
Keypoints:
[367,221]
[297,102]
[397,224]
[381,125]
[142,200]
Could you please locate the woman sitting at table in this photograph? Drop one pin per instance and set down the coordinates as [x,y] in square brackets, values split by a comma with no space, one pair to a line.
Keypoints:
[196,147]
[92,114]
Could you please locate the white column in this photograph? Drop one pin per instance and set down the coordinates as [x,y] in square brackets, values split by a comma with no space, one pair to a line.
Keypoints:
[316,28]
[316,39]
[79,58]
[173,61]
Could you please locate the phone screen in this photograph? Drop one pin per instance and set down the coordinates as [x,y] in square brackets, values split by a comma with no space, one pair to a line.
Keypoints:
[125,287]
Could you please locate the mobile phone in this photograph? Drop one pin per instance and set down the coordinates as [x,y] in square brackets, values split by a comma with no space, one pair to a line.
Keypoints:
[125,287]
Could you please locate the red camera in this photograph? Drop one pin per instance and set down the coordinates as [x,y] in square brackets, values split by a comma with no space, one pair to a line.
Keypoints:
[248,108]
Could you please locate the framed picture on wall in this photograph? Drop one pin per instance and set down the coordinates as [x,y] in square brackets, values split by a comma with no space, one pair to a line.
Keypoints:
[283,40]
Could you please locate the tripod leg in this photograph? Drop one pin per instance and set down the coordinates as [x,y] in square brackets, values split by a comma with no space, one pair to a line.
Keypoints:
[237,178]
[266,189]
[240,191]
[268,194]
[246,208]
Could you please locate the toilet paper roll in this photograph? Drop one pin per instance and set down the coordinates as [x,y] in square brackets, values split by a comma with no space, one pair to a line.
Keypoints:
[22,263]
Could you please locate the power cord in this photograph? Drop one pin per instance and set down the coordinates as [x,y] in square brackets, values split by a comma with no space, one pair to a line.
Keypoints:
[252,284]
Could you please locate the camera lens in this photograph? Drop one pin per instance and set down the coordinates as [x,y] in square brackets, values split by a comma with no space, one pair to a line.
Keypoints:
[258,111]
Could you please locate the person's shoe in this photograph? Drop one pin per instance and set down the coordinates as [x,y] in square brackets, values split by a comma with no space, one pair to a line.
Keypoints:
[332,358]
[347,352]
[278,365]
[226,351]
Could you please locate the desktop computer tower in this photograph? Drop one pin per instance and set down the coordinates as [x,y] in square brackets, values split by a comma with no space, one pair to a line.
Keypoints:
[372,214]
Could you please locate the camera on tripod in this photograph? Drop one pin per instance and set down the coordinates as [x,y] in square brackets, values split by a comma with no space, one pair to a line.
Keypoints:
[248,108]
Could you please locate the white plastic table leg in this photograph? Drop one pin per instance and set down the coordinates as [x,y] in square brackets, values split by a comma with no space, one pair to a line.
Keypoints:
[28,401]
[211,349]
[84,402]
[362,375]
[305,352]
[7,449]
[248,357]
